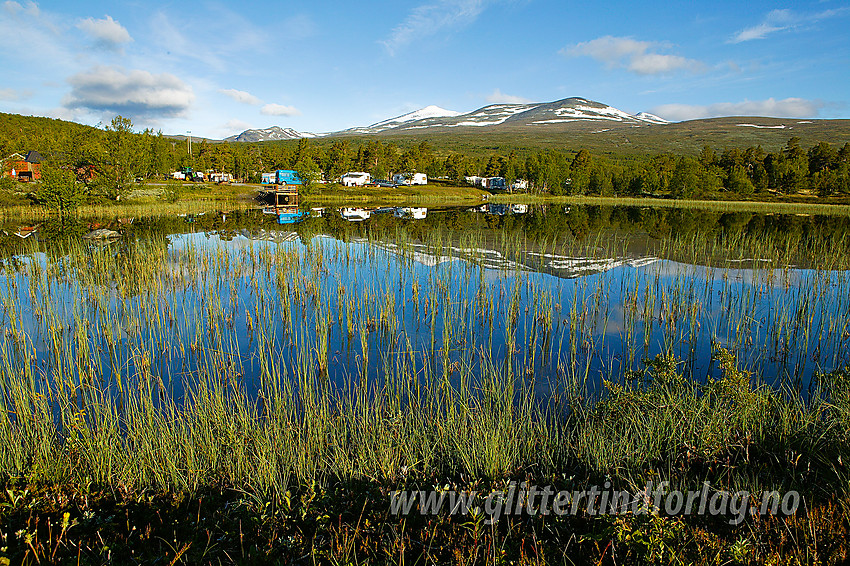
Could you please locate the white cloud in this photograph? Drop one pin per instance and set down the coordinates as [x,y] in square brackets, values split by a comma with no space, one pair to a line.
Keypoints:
[787,108]
[657,64]
[107,32]
[608,49]
[235,125]
[636,56]
[134,93]
[240,96]
[279,110]
[781,20]
[429,19]
[498,97]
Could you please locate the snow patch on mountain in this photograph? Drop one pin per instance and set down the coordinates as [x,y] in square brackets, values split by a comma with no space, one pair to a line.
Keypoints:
[429,112]
[647,117]
[273,133]
[595,113]
[779,127]
[423,113]
[579,109]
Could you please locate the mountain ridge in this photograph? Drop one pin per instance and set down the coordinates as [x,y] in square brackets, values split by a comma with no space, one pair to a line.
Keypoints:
[574,109]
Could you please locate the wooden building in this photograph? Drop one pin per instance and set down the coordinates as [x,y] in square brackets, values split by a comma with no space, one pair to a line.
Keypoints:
[23,168]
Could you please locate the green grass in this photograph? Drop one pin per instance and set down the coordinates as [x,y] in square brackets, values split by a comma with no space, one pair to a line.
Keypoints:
[418,194]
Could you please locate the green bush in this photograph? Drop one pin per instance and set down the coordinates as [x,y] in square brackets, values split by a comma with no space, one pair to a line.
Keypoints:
[8,184]
[59,190]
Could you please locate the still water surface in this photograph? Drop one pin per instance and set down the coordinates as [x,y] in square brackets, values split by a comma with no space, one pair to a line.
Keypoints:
[349,293]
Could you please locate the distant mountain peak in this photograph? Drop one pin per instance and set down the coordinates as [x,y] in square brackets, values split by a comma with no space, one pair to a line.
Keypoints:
[427,113]
[430,111]
[646,116]
[269,134]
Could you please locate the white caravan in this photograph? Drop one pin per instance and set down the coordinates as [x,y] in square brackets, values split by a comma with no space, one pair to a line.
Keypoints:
[355,179]
[412,213]
[414,179]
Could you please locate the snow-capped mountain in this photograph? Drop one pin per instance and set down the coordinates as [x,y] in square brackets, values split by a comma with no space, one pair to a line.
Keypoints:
[652,118]
[580,109]
[269,134]
[426,113]
[531,115]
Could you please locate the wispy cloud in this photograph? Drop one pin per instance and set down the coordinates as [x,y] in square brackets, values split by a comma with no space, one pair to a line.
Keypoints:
[241,96]
[786,108]
[498,97]
[221,41]
[639,57]
[106,32]
[29,34]
[781,20]
[14,8]
[279,110]
[429,19]
[298,26]
[234,125]
[12,94]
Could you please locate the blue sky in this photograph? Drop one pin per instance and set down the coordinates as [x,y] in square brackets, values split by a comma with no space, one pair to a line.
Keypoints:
[217,68]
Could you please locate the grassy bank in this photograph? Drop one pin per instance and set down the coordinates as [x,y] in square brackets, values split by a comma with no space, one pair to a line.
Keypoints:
[416,194]
[148,201]
[192,198]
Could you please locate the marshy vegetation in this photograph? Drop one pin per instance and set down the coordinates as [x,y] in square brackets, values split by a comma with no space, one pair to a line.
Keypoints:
[295,374]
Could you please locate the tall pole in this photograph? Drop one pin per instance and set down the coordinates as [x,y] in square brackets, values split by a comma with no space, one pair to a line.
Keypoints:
[189,138]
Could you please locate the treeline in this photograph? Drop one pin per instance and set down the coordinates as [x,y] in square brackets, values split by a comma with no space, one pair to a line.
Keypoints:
[111,159]
[822,169]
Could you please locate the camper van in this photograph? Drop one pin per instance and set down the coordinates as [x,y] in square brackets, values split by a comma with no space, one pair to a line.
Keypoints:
[355,179]
[281,177]
[414,179]
[287,177]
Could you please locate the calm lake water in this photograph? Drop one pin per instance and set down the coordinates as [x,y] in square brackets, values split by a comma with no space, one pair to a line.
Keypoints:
[550,293]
